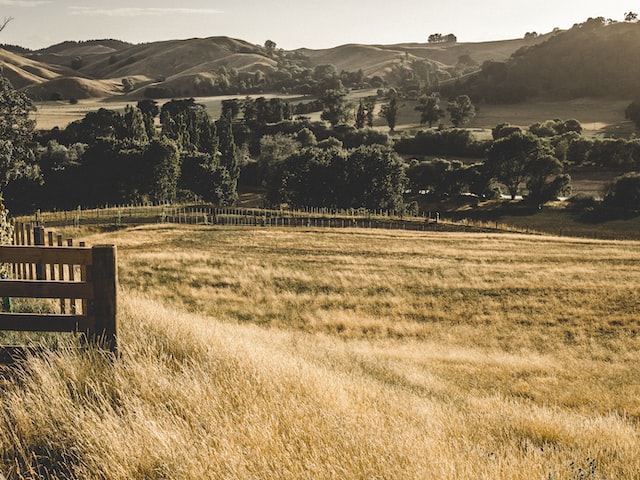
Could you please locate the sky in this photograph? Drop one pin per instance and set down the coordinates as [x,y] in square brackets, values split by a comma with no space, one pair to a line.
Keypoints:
[294,24]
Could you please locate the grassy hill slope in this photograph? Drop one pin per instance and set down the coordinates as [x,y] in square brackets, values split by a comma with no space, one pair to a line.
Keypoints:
[73,87]
[23,71]
[589,60]
[168,58]
[177,64]
[344,354]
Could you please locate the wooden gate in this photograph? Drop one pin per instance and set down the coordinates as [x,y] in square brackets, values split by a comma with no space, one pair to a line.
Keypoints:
[83,279]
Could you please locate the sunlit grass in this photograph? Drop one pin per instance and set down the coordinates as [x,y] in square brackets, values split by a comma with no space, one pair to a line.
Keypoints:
[291,353]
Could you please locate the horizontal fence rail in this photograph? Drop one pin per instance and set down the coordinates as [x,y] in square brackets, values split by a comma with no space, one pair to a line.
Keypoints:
[83,280]
[205,214]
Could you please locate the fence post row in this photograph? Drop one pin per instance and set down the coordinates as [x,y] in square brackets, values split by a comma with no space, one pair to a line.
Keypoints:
[96,288]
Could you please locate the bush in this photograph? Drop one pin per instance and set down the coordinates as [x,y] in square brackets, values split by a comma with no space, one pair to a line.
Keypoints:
[159,92]
[582,201]
[624,193]
[455,142]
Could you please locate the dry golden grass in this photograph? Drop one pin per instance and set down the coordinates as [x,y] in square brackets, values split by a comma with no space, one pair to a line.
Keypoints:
[270,353]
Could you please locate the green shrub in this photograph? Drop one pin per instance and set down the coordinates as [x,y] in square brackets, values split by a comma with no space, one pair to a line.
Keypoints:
[625,192]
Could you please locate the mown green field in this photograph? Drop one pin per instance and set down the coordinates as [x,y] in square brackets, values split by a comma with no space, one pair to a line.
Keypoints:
[314,353]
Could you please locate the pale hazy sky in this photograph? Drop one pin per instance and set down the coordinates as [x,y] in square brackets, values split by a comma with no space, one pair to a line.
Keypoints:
[294,23]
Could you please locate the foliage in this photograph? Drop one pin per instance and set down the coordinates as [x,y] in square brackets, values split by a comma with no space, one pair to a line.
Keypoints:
[102,123]
[586,61]
[440,38]
[438,177]
[455,142]
[134,125]
[275,149]
[441,178]
[632,112]
[615,153]
[150,110]
[429,108]
[335,108]
[328,175]
[260,111]
[163,158]
[555,127]
[16,135]
[624,192]
[504,130]
[521,157]
[461,110]
[361,115]
[389,112]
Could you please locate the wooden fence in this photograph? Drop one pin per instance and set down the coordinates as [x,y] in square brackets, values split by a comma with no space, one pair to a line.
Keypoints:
[84,281]
[236,216]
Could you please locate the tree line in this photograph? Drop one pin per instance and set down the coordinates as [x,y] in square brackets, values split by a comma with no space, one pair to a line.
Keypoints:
[176,152]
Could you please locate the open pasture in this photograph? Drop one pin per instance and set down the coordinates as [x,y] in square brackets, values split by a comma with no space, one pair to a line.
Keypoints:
[310,353]
[599,117]
[60,114]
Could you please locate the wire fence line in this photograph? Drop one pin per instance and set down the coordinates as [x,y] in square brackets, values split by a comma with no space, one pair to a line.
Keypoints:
[203,214]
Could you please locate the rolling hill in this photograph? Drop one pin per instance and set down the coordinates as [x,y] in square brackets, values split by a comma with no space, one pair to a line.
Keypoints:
[80,69]
[590,59]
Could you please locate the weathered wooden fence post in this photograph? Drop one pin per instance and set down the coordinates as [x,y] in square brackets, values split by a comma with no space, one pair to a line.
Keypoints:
[38,239]
[105,284]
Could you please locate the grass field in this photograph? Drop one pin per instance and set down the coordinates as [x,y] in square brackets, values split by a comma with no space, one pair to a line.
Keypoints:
[331,354]
[599,117]
[61,114]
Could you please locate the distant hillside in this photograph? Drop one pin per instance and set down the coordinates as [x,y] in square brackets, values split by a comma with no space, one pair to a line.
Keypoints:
[23,72]
[176,57]
[86,47]
[218,65]
[590,60]
[72,87]
[372,59]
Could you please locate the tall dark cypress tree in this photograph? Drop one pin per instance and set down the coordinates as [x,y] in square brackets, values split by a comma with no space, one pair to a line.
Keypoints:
[229,170]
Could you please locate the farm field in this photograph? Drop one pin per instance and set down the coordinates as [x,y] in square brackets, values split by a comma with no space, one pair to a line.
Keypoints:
[312,353]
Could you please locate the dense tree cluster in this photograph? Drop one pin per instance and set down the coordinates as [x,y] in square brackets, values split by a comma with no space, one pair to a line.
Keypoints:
[440,38]
[292,74]
[329,175]
[584,61]
[111,157]
[176,151]
[625,192]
